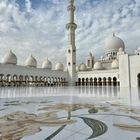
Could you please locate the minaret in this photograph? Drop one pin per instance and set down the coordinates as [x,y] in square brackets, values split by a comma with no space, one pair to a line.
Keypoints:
[71,49]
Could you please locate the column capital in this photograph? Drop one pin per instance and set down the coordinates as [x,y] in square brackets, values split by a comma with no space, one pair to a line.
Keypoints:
[71,8]
[71,25]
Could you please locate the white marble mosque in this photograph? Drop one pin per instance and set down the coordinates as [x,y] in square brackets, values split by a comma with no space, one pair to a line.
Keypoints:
[96,100]
[115,68]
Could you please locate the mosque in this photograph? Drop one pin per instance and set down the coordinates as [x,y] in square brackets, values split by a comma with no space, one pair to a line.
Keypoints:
[115,68]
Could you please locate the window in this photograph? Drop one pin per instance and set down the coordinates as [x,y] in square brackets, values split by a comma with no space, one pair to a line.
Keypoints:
[69,51]
[73,63]
[88,63]
[92,63]
[69,63]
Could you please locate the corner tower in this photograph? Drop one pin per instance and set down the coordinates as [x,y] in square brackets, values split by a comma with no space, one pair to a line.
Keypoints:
[71,48]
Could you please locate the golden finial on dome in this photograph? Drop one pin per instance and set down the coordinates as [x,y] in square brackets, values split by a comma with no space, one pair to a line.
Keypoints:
[11,51]
[114,34]
[90,53]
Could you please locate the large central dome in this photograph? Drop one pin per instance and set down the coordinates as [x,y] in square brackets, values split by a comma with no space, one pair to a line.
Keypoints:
[113,44]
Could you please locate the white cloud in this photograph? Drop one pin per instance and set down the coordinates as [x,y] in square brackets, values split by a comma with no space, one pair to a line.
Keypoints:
[41,31]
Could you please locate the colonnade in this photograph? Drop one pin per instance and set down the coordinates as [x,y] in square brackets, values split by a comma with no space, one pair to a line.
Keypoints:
[105,81]
[20,80]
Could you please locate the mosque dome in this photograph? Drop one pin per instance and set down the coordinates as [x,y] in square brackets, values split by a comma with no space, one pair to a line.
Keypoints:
[82,67]
[138,48]
[77,68]
[47,64]
[98,66]
[59,66]
[115,64]
[10,58]
[114,44]
[31,62]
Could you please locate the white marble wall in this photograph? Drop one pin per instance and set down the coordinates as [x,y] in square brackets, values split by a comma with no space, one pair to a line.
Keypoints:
[30,71]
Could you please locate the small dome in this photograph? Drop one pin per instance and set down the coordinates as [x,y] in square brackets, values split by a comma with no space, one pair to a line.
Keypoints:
[10,58]
[121,50]
[114,44]
[59,66]
[77,68]
[82,67]
[47,64]
[101,57]
[138,48]
[135,51]
[98,66]
[115,64]
[31,62]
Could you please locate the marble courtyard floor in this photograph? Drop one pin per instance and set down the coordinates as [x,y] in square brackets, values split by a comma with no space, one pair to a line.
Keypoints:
[69,113]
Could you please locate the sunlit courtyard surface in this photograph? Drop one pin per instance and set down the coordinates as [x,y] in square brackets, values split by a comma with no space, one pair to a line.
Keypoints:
[69,113]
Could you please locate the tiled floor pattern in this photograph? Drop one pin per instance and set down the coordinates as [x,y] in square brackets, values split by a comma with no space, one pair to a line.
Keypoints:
[79,130]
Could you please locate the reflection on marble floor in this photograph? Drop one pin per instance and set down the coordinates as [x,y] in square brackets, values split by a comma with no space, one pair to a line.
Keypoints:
[64,113]
[58,91]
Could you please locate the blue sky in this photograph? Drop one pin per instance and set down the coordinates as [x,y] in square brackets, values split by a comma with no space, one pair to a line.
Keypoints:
[37,27]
